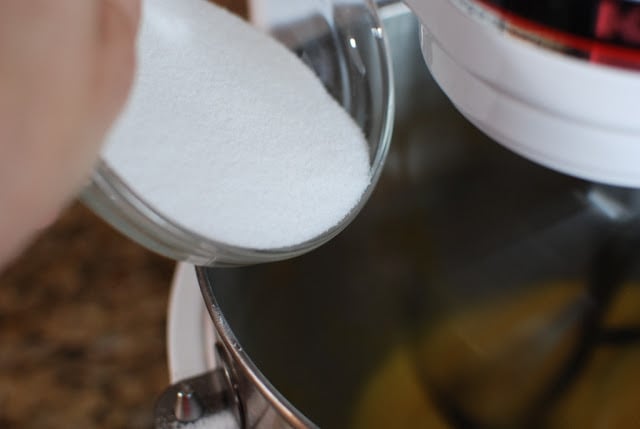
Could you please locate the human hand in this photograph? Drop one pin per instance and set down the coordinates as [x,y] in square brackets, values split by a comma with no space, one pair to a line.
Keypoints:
[65,72]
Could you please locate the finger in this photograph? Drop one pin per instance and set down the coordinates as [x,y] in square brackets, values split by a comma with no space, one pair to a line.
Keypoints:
[118,30]
[131,9]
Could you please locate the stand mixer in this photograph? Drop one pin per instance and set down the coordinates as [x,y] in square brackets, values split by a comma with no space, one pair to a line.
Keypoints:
[555,82]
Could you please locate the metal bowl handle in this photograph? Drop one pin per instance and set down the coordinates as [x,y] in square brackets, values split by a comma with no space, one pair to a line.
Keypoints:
[211,395]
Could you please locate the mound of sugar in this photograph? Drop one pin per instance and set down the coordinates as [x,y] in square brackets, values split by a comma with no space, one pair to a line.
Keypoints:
[230,135]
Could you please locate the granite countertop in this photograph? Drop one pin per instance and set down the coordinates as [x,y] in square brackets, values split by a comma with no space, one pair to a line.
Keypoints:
[82,329]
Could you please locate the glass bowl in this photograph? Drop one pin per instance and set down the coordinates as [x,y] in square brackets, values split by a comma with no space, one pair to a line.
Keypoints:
[342,41]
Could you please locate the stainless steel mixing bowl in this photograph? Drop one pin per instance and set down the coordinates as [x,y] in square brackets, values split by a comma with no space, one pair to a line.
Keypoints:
[475,290]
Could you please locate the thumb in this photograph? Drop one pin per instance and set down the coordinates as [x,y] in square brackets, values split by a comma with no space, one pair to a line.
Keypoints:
[119,23]
[130,9]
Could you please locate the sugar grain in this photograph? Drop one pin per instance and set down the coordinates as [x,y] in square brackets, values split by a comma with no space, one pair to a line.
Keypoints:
[231,136]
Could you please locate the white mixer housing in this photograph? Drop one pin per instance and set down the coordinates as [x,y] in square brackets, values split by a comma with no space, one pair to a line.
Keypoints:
[564,112]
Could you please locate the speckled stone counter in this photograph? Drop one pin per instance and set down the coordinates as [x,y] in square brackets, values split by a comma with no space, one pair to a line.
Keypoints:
[82,329]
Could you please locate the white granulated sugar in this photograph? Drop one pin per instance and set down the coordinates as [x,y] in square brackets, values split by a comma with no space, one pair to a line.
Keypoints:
[222,420]
[230,135]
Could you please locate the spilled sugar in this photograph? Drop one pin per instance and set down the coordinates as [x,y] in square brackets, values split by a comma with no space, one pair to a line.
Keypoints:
[222,420]
[231,136]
